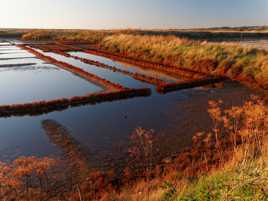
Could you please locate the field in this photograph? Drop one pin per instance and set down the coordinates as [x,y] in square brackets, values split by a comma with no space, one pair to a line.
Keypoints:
[134,115]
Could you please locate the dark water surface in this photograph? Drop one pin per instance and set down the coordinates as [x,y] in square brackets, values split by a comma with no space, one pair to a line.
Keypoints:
[102,130]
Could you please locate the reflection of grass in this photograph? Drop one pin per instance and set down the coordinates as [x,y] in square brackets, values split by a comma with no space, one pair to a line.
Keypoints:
[235,166]
[62,138]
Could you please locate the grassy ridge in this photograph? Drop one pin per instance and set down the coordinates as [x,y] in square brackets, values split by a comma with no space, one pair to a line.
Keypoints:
[245,64]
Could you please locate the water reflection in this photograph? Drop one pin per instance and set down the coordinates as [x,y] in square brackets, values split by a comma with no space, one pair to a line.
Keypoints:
[35,67]
[16,55]
[105,128]
[20,61]
[125,66]
[104,73]
[21,85]
[72,151]
[15,58]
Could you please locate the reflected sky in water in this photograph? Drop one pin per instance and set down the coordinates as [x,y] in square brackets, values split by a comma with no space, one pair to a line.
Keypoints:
[124,66]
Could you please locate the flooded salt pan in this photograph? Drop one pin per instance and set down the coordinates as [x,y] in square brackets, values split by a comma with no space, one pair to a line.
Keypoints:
[107,74]
[27,84]
[125,66]
[20,61]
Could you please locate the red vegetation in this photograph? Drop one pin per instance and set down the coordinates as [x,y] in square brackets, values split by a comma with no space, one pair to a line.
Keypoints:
[137,76]
[194,79]
[50,47]
[171,70]
[162,86]
[116,92]
[189,84]
[41,107]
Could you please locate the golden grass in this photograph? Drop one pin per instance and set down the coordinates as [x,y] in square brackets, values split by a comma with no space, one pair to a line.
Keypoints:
[245,64]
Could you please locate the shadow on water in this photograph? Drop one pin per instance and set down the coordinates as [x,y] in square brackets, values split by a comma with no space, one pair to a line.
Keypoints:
[71,149]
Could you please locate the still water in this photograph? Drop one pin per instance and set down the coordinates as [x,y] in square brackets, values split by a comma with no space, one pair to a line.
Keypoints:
[103,130]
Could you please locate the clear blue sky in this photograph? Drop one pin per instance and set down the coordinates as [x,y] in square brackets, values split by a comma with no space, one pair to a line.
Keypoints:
[107,14]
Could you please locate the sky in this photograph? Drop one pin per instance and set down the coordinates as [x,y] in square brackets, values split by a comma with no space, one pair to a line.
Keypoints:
[108,14]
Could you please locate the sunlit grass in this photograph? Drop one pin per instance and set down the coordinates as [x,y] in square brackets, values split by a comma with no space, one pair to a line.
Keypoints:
[245,64]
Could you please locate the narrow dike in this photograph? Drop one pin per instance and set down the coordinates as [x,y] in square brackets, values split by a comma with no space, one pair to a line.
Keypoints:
[77,71]
[191,78]
[170,70]
[162,86]
[137,76]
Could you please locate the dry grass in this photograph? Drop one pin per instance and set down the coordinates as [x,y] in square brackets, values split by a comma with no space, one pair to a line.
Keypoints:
[246,64]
